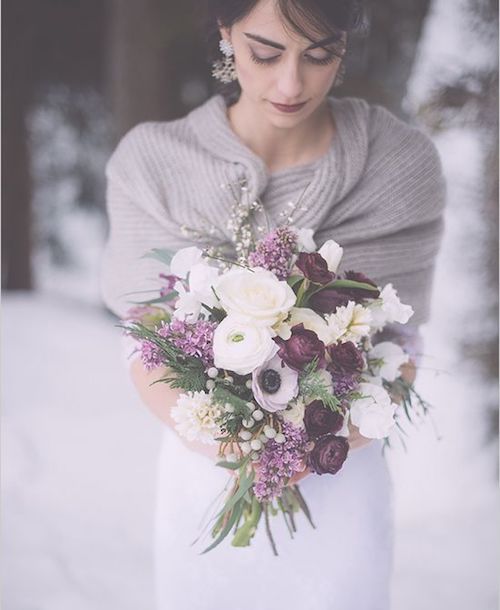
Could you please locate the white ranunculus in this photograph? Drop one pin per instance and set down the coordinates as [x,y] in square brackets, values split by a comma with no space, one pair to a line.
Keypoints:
[388,308]
[349,323]
[196,417]
[184,259]
[255,296]
[373,414]
[201,279]
[241,347]
[332,253]
[305,241]
[386,358]
[311,320]
[344,431]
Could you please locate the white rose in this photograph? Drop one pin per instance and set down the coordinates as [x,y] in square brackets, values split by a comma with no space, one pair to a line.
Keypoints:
[349,323]
[387,357]
[305,241]
[374,413]
[388,308]
[332,253]
[256,297]
[311,320]
[241,347]
[183,260]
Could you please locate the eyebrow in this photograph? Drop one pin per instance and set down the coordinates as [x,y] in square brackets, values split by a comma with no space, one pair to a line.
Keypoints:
[277,45]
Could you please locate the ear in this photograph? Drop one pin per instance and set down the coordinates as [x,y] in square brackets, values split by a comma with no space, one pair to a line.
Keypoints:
[225,32]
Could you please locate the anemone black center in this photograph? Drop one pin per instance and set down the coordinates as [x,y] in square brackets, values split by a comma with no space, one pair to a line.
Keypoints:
[270,381]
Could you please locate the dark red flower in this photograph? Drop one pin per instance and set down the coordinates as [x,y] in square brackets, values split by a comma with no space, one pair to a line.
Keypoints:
[346,358]
[320,420]
[314,267]
[327,300]
[301,348]
[328,455]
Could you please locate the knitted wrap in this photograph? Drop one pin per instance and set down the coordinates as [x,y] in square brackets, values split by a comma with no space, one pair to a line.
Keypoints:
[378,191]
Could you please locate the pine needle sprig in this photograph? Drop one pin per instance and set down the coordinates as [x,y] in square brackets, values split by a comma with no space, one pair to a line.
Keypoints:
[313,386]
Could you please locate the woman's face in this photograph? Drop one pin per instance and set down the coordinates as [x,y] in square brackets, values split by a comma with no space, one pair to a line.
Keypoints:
[281,74]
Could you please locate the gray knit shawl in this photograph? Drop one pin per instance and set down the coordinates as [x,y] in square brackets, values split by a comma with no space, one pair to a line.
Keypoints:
[378,191]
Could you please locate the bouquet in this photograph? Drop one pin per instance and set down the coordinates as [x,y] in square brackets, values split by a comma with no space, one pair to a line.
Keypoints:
[275,355]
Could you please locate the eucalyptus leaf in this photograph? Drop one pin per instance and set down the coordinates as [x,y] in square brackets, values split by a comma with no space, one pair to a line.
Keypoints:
[235,515]
[160,254]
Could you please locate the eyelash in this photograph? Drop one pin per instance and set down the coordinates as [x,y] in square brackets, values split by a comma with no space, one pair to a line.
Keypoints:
[270,60]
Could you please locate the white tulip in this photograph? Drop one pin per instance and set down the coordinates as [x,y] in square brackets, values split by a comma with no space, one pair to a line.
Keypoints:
[305,241]
[332,253]
[184,259]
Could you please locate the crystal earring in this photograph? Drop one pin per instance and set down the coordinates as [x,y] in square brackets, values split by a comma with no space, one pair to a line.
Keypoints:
[340,76]
[225,69]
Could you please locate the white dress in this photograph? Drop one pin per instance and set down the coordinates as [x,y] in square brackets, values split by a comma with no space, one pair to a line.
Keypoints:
[343,564]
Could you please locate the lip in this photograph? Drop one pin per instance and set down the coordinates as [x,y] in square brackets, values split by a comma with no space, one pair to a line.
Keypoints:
[289,108]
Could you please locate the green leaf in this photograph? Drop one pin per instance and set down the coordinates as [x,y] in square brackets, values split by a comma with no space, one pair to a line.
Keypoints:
[351,284]
[244,485]
[235,515]
[303,504]
[159,254]
[293,279]
[164,299]
[246,532]
[229,465]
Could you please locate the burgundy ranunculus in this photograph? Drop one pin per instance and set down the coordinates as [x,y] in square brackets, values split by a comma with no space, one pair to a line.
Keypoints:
[358,294]
[346,358]
[301,348]
[327,300]
[328,455]
[314,267]
[320,420]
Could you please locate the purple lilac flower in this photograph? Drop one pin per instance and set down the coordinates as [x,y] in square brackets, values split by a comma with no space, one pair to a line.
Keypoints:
[150,355]
[344,383]
[274,252]
[193,338]
[279,461]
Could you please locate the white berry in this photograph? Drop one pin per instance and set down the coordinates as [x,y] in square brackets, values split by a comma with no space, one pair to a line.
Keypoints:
[245,447]
[280,438]
[248,423]
[231,457]
[269,432]
[210,383]
[248,383]
[212,372]
[258,415]
[256,445]
[245,435]
[229,379]
[228,408]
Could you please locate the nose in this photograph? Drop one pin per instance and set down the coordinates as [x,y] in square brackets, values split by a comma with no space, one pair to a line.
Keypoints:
[290,83]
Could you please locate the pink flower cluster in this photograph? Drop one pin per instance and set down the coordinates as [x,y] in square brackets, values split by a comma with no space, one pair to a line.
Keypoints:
[279,461]
[274,252]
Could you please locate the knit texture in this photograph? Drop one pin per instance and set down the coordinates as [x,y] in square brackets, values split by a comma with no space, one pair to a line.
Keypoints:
[378,191]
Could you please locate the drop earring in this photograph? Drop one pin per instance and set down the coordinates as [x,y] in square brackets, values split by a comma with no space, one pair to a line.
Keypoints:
[225,69]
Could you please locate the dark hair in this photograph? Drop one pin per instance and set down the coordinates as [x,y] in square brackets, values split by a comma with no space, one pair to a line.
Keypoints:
[309,18]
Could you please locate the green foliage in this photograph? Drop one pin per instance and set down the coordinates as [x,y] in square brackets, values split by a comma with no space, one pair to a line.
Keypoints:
[160,254]
[313,386]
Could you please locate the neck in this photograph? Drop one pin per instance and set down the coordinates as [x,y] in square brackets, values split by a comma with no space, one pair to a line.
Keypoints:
[281,147]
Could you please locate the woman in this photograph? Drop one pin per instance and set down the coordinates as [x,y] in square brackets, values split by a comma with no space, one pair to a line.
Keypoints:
[374,185]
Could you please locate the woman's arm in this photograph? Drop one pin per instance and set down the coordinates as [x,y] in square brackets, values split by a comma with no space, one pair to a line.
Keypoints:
[160,397]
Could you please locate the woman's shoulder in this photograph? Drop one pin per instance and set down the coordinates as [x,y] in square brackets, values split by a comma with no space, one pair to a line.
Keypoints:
[147,148]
